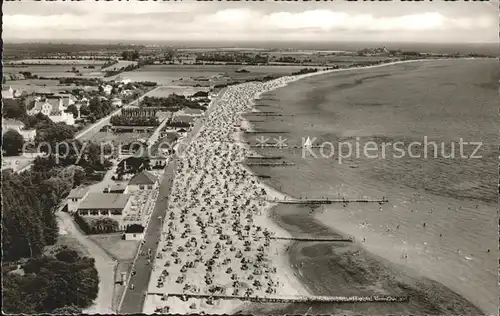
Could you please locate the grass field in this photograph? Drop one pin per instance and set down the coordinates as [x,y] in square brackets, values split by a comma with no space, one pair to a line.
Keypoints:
[190,75]
[115,246]
[56,71]
[56,62]
[70,242]
[42,86]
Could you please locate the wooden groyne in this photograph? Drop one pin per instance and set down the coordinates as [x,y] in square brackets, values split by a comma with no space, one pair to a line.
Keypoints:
[271,164]
[265,114]
[327,201]
[263,176]
[268,146]
[265,157]
[264,132]
[348,239]
[290,298]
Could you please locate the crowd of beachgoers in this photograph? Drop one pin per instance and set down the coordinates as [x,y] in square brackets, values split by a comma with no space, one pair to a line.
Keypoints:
[217,237]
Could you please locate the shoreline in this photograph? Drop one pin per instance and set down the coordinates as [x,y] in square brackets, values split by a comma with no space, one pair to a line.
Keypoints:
[215,155]
[409,275]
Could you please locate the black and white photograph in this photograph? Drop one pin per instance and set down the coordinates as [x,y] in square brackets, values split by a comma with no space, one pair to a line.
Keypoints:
[250,157]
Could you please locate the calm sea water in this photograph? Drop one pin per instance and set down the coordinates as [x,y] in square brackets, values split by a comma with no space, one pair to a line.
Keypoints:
[442,211]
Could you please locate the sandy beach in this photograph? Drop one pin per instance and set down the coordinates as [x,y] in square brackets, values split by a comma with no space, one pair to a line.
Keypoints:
[219,209]
[217,235]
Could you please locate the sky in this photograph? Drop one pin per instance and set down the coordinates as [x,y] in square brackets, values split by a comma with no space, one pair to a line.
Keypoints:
[431,22]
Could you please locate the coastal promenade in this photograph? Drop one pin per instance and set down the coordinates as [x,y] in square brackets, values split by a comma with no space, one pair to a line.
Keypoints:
[133,299]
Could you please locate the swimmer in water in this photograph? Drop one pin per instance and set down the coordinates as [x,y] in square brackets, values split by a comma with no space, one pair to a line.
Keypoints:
[440,235]
[423,224]
[488,251]
[397,227]
[364,239]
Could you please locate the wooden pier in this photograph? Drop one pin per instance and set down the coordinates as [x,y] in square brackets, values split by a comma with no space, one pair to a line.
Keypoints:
[270,164]
[312,239]
[264,132]
[265,157]
[268,146]
[289,298]
[263,176]
[327,201]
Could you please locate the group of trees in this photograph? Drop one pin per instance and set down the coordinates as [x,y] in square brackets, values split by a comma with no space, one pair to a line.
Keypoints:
[99,226]
[29,202]
[130,55]
[173,102]
[125,120]
[109,63]
[13,143]
[80,81]
[232,58]
[60,284]
[305,71]
[99,108]
[130,67]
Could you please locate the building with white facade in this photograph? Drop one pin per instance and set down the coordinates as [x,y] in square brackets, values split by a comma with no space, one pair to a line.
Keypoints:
[144,180]
[18,126]
[134,232]
[105,205]
[75,197]
[53,108]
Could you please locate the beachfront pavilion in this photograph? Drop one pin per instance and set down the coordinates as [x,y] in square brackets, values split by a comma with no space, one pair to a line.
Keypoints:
[110,205]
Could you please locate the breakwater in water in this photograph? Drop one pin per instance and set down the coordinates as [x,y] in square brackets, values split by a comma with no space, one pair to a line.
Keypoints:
[427,219]
[290,299]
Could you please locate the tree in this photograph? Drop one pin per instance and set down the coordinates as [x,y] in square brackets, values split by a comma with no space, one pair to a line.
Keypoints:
[72,109]
[12,143]
[55,133]
[68,310]
[12,108]
[84,110]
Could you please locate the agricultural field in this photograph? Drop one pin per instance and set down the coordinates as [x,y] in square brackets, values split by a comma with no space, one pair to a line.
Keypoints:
[55,62]
[56,71]
[202,75]
[42,86]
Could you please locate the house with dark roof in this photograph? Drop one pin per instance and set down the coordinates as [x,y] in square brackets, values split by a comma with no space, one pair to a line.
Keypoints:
[134,232]
[144,180]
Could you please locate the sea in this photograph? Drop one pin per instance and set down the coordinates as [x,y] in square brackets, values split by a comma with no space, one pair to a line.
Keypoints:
[436,240]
